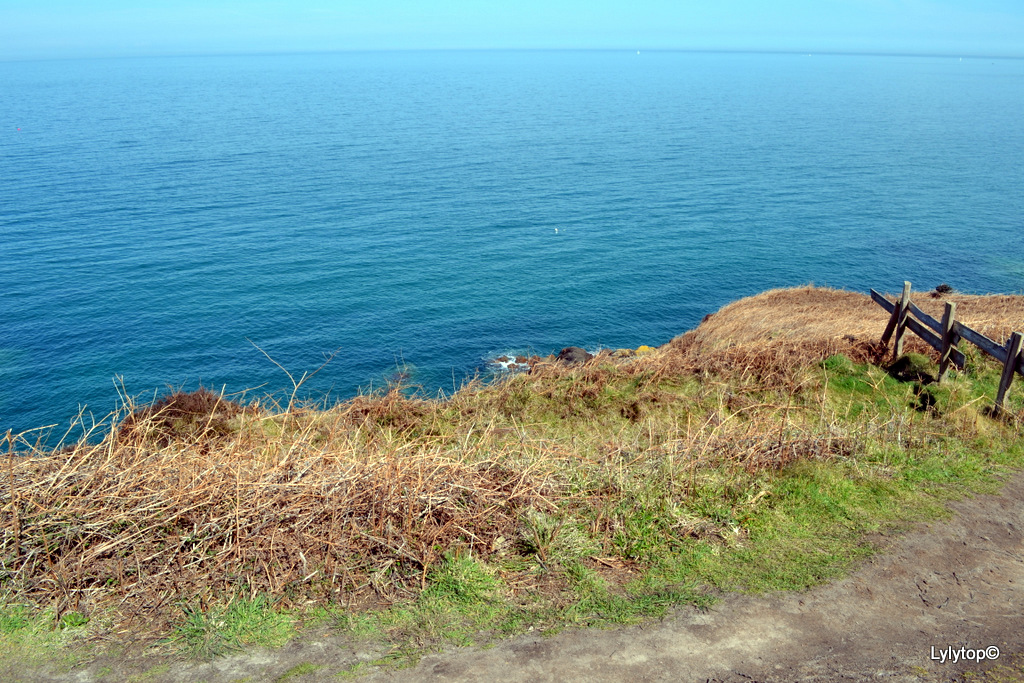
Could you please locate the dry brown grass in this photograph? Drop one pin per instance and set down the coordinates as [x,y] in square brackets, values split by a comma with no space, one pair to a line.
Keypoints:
[782,328]
[201,415]
[196,498]
[352,505]
[994,315]
[317,504]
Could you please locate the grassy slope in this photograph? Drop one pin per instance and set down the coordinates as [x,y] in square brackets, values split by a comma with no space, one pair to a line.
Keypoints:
[571,496]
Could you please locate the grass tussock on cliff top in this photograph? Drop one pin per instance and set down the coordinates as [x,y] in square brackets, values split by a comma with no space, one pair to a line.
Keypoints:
[603,488]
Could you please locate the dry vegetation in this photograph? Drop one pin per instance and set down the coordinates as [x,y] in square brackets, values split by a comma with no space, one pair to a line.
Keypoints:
[781,328]
[196,498]
[168,508]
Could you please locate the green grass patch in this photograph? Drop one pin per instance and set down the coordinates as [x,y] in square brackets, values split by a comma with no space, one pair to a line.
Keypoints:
[31,638]
[223,629]
[298,670]
[691,525]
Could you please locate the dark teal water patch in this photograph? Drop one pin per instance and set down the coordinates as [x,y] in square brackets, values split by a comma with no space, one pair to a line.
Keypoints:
[431,210]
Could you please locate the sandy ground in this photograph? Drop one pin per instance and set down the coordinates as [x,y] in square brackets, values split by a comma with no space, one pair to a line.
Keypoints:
[954,584]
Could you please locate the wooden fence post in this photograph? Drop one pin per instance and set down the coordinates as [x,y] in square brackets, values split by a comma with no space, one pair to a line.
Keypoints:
[897,321]
[1012,351]
[949,338]
[901,326]
[904,315]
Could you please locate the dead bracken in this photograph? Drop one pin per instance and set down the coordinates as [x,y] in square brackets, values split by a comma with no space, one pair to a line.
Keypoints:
[196,498]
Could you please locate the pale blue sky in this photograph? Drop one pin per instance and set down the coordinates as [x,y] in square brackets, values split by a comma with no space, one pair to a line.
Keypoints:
[61,28]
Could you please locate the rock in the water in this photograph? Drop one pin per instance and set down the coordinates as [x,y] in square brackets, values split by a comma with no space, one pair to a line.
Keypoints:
[574,354]
[511,363]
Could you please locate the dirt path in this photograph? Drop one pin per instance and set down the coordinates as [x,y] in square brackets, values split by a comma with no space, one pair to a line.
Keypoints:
[957,583]
[945,585]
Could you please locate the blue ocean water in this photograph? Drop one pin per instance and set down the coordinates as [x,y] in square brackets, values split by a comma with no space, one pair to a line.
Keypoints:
[159,217]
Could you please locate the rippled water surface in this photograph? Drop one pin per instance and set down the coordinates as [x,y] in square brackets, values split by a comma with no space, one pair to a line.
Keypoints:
[158,217]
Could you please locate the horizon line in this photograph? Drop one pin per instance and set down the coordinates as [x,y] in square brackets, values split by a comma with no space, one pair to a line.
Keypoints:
[638,50]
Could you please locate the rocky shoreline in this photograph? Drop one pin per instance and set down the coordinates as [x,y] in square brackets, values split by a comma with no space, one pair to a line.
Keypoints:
[570,355]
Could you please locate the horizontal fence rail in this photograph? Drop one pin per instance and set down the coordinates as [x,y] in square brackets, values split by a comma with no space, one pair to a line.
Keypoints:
[944,336]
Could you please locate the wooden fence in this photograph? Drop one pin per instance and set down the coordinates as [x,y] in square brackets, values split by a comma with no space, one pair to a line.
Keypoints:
[945,335]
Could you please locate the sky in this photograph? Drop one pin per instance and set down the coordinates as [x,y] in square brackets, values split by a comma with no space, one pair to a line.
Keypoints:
[46,29]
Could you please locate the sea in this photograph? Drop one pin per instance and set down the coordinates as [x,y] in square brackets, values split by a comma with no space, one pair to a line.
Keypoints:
[234,222]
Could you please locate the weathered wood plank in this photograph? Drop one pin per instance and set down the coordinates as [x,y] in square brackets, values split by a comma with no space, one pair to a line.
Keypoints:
[903,318]
[935,341]
[924,333]
[952,331]
[925,318]
[894,318]
[1012,359]
[949,338]
[882,301]
[993,349]
[957,357]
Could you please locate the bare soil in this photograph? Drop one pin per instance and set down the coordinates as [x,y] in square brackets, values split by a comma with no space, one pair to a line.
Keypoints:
[945,585]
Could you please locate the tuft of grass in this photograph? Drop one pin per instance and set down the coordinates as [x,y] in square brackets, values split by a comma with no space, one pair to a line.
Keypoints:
[72,620]
[204,634]
[15,619]
[913,367]
[31,637]
[460,579]
[198,416]
[298,670]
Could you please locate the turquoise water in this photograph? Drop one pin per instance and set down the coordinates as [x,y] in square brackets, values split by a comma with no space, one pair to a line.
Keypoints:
[160,216]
